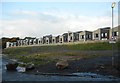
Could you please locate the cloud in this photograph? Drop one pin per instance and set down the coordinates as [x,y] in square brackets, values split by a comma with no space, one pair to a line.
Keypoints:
[59,0]
[44,23]
[24,12]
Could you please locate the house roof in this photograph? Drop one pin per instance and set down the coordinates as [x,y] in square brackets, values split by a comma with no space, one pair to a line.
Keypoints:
[48,36]
[29,38]
[105,28]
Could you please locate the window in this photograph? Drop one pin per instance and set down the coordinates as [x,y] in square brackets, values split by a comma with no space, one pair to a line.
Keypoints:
[82,36]
[77,37]
[102,34]
[70,38]
[105,34]
[115,33]
[60,39]
[89,36]
[53,40]
[96,35]
[9,45]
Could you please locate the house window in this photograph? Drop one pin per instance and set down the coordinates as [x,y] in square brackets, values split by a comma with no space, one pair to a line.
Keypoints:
[105,34]
[89,36]
[115,33]
[82,36]
[9,45]
[96,35]
[70,38]
[77,37]
[53,40]
[102,34]
[60,39]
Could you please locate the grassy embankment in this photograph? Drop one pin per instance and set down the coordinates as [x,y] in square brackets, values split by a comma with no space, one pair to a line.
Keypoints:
[40,55]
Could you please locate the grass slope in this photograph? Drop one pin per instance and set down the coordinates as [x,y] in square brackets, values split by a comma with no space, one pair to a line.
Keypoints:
[40,55]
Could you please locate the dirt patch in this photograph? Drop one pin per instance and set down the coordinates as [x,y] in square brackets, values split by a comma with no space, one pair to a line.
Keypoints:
[101,65]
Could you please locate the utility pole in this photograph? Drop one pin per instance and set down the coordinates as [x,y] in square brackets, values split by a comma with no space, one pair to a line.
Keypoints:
[113,5]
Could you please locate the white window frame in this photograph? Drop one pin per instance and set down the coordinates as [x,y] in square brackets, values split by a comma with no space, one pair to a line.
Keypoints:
[106,35]
[117,33]
[102,34]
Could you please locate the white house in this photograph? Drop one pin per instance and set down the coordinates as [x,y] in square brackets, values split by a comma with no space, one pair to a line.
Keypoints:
[70,36]
[53,39]
[8,44]
[60,39]
[40,40]
[85,35]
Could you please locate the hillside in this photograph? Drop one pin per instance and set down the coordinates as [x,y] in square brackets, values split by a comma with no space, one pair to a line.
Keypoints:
[93,55]
[44,52]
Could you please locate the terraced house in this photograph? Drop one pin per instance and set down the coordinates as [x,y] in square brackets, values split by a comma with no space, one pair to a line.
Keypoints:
[76,36]
[70,36]
[47,39]
[65,37]
[53,39]
[40,41]
[85,35]
[116,33]
[100,34]
[11,44]
[60,39]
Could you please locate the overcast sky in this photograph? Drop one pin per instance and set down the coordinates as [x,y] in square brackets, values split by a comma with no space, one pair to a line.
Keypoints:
[36,19]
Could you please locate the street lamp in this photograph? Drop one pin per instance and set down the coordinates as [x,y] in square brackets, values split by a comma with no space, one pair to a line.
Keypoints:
[112,6]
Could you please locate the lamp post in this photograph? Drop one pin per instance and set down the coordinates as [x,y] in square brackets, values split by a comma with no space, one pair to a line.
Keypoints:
[112,6]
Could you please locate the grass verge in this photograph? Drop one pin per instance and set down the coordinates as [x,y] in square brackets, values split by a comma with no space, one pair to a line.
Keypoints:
[40,55]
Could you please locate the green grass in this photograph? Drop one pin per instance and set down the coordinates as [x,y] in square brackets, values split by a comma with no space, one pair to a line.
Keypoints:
[36,49]
[92,46]
[40,55]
